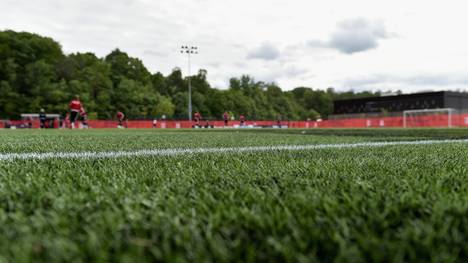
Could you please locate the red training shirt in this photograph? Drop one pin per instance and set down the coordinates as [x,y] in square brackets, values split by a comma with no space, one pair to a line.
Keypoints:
[75,105]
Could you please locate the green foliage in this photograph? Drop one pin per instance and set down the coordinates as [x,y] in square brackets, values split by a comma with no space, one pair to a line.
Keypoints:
[124,66]
[34,74]
[164,107]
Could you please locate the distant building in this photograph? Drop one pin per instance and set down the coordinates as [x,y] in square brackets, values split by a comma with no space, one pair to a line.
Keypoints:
[399,103]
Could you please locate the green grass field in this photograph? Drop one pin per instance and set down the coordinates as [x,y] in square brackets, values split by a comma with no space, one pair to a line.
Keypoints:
[392,203]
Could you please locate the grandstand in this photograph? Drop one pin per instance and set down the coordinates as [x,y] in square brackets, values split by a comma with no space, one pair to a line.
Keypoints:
[394,105]
[428,109]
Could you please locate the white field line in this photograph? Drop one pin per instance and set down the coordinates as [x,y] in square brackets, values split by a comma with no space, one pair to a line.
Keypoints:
[181,151]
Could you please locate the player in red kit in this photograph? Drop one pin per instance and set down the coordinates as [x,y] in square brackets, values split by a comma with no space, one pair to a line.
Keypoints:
[120,117]
[66,123]
[226,118]
[75,108]
[242,120]
[197,118]
[84,118]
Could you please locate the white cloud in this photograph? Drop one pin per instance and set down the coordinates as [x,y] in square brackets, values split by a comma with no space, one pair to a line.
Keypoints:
[357,35]
[274,32]
[353,36]
[265,51]
[411,82]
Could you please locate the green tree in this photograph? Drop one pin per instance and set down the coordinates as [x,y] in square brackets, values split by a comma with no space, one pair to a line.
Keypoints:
[124,66]
[8,100]
[34,74]
[164,107]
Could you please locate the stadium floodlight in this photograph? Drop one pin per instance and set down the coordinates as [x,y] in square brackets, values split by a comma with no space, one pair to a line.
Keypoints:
[429,118]
[189,50]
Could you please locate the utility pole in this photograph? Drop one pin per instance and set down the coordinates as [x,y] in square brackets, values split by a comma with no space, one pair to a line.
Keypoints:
[189,50]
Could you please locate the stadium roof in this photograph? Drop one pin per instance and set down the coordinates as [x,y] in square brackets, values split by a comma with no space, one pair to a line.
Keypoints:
[426,100]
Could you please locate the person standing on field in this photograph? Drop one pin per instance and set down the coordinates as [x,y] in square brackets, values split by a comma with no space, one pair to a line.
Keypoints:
[242,120]
[84,118]
[226,118]
[75,108]
[197,118]
[42,119]
[67,120]
[120,118]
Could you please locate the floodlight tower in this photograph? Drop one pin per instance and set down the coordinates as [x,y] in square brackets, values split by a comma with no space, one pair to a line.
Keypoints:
[189,50]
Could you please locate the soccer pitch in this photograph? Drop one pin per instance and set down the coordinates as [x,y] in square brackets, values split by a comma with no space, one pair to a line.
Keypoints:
[234,195]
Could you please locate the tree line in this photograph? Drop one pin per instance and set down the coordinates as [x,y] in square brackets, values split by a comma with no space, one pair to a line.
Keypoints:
[35,73]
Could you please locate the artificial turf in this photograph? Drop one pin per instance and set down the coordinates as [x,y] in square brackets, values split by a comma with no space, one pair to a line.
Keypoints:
[393,203]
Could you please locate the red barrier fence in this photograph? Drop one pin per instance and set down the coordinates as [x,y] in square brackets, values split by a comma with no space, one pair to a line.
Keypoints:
[457,120]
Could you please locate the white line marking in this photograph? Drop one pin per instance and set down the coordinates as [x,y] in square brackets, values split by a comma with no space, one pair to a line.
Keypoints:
[181,151]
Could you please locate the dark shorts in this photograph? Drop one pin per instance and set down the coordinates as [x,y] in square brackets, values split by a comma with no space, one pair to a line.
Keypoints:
[73,116]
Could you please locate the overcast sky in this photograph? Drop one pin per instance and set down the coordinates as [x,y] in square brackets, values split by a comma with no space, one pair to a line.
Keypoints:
[410,45]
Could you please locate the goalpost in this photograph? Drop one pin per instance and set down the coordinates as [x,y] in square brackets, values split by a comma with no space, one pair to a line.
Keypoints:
[429,118]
